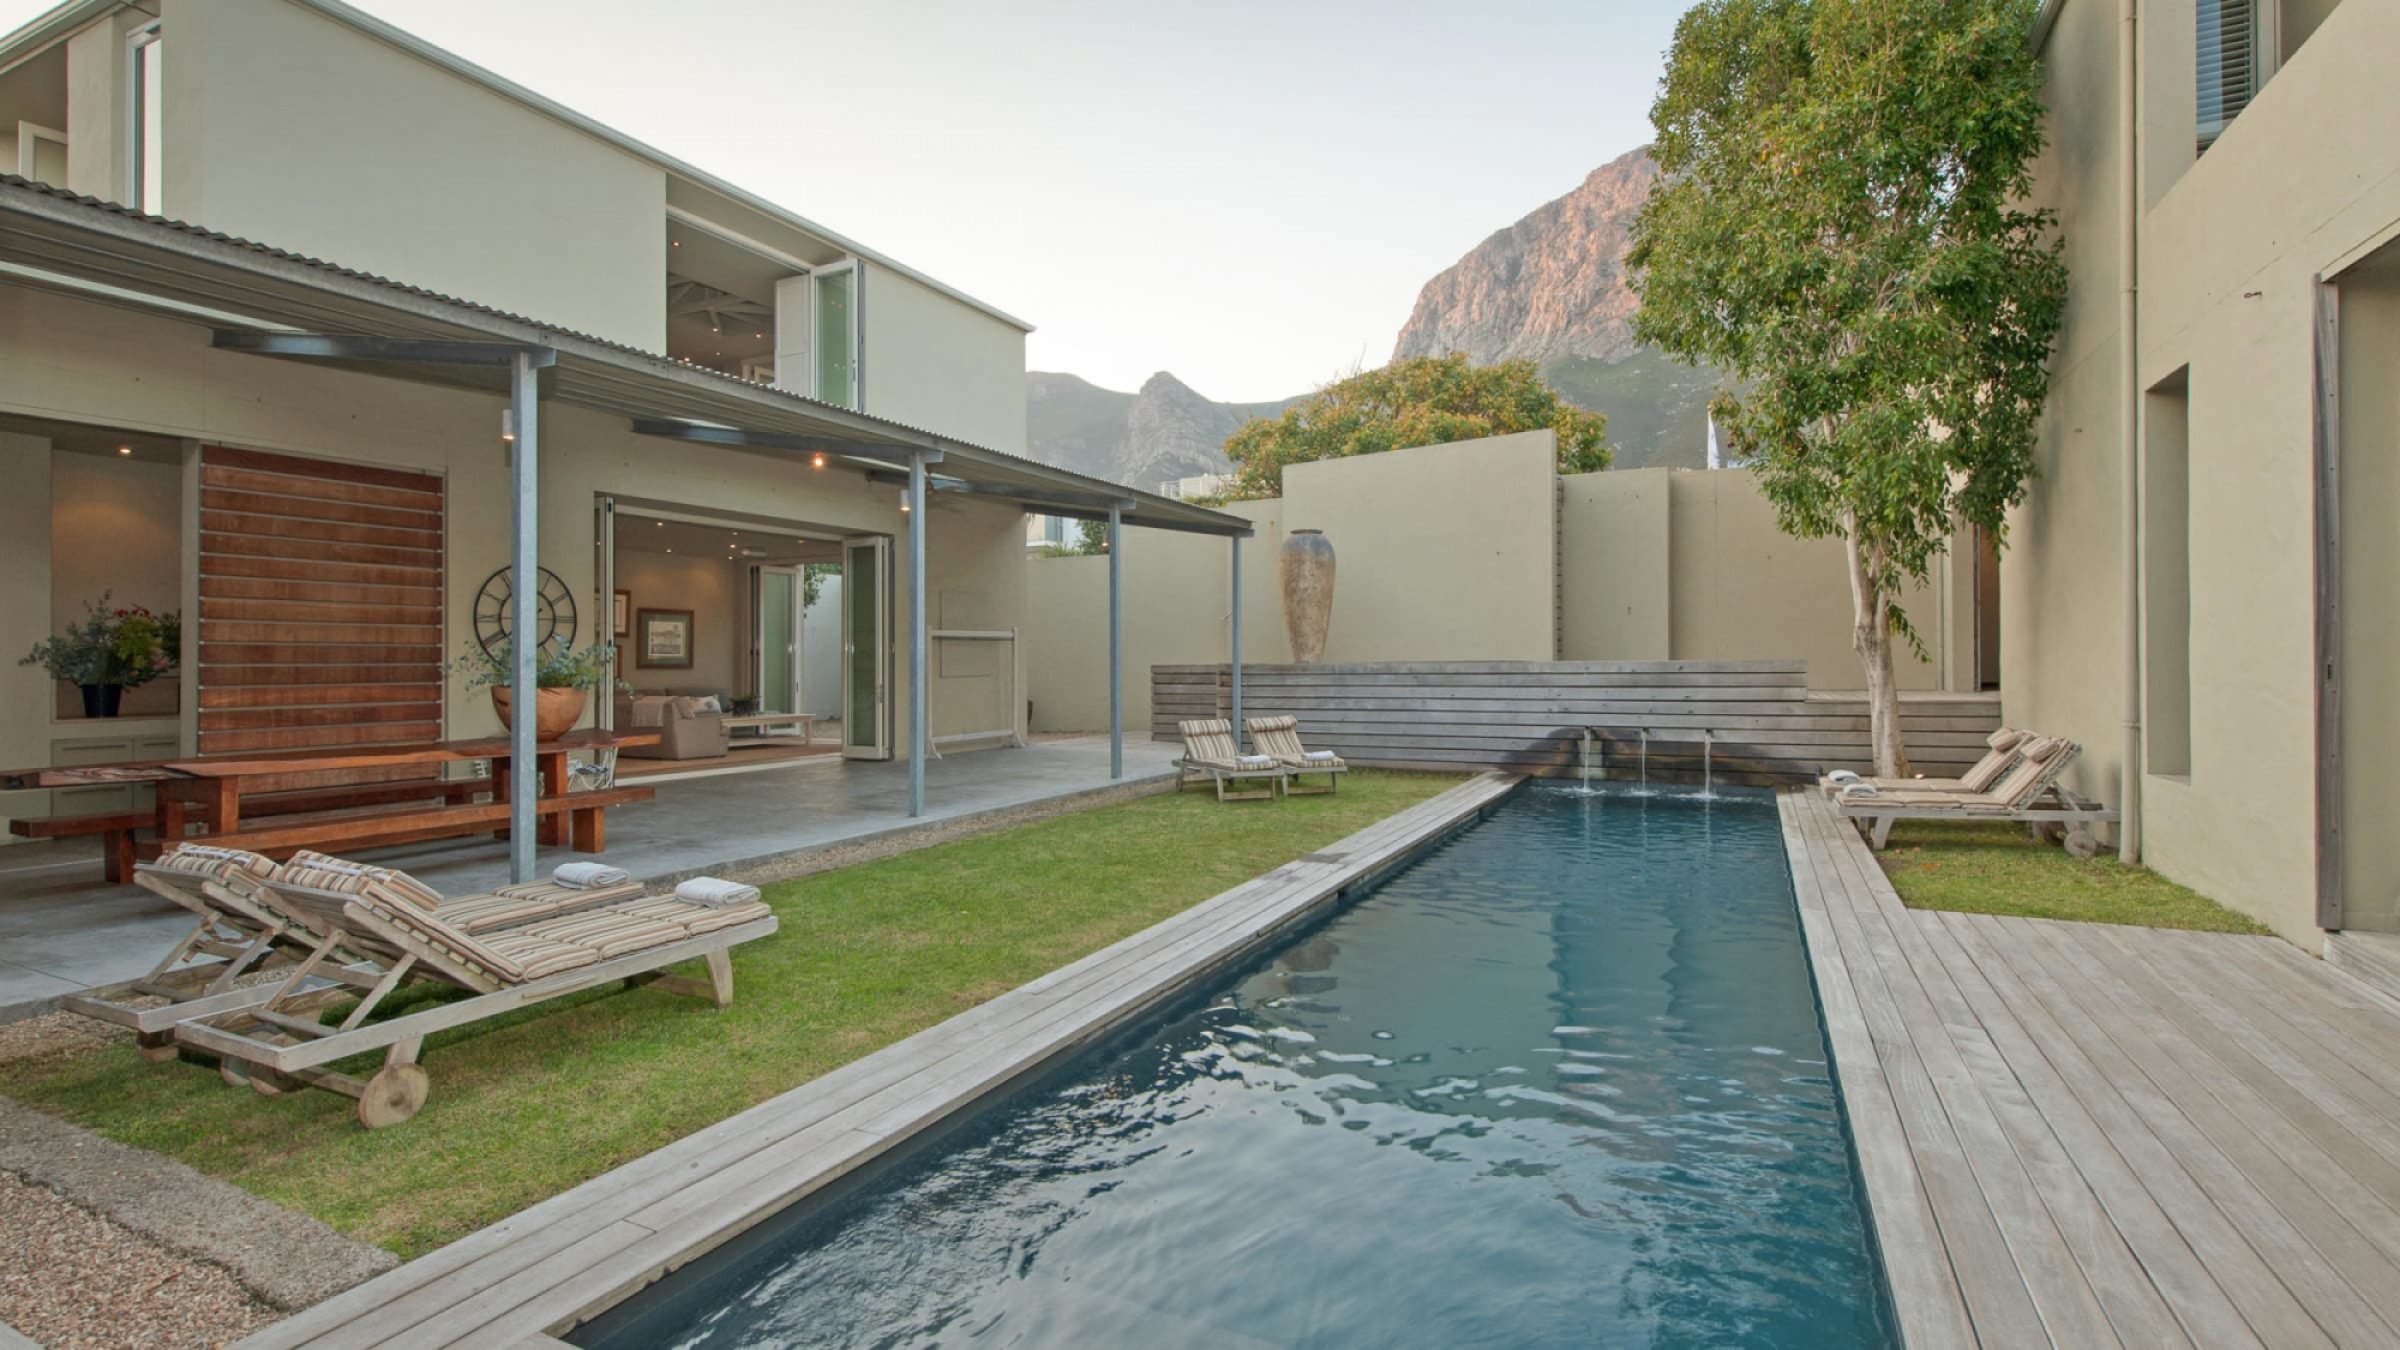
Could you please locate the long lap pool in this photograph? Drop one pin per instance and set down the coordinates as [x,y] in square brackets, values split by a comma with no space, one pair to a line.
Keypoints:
[1560,1081]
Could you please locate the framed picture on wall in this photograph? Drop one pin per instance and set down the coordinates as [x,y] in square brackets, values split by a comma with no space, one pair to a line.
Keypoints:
[624,614]
[664,638]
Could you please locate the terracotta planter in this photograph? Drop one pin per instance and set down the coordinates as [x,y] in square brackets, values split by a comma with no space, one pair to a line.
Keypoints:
[555,711]
[1305,567]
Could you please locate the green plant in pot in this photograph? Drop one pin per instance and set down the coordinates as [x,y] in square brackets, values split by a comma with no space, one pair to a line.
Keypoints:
[114,649]
[563,680]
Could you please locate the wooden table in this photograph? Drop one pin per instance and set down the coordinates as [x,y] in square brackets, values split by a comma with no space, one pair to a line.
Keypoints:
[212,788]
[759,722]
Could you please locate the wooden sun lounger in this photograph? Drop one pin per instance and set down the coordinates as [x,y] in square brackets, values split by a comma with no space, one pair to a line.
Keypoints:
[2029,793]
[239,931]
[1210,756]
[1279,738]
[279,1047]
[2007,747]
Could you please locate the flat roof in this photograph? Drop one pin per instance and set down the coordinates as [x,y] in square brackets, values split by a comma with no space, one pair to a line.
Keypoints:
[65,18]
[52,238]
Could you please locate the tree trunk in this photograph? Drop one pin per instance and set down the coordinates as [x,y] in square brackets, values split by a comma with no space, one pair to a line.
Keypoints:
[1871,639]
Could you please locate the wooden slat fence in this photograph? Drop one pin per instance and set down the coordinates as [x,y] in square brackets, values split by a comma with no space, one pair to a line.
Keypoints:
[1524,716]
[320,606]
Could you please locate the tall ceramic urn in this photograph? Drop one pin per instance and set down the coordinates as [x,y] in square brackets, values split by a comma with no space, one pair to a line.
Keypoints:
[1305,566]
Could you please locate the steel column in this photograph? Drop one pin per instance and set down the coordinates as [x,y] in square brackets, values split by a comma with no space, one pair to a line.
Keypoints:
[1116,648]
[916,636]
[1237,642]
[524,775]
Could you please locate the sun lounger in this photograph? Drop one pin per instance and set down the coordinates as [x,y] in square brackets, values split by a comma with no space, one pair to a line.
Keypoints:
[239,931]
[2029,792]
[1210,756]
[1279,739]
[2007,747]
[371,911]
[234,933]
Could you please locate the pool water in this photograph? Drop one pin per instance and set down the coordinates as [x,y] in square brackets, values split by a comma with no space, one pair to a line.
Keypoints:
[1558,1082]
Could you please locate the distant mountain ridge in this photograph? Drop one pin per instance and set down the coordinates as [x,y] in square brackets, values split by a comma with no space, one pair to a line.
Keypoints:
[1549,288]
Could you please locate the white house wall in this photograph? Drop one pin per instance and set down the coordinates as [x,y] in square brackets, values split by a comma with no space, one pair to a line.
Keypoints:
[359,153]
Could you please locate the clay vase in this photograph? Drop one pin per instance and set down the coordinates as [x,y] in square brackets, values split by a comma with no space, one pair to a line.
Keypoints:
[555,711]
[1305,567]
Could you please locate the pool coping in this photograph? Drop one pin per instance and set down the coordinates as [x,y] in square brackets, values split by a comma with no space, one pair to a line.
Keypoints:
[548,1268]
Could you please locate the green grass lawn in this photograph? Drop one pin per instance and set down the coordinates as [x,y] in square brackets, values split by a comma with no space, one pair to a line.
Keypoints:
[528,1105]
[1999,869]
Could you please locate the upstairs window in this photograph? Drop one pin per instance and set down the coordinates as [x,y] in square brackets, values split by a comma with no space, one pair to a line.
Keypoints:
[2236,54]
[837,334]
[145,120]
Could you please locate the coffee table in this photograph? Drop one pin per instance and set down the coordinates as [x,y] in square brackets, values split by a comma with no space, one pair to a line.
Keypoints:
[759,724]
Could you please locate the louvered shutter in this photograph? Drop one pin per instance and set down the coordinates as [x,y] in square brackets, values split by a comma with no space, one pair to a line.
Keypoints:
[2228,63]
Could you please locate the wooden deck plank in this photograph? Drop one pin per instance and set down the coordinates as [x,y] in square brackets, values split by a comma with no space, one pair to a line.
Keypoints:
[1998,1302]
[2043,1265]
[2213,1281]
[2318,1254]
[1916,1264]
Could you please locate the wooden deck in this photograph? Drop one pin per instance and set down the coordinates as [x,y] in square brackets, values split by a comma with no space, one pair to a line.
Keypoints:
[2090,1135]
[544,1269]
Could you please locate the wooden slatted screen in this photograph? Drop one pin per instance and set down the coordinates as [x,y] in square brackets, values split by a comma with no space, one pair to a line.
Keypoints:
[1523,715]
[320,607]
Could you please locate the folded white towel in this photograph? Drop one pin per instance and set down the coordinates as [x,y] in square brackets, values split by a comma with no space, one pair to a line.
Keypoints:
[1859,791]
[1319,756]
[1842,776]
[589,876]
[1254,761]
[715,891]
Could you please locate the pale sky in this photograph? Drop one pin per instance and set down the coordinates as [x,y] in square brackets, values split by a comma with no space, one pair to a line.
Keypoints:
[1246,193]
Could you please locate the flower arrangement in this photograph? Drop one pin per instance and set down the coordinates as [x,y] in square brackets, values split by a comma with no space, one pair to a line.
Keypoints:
[126,646]
[555,666]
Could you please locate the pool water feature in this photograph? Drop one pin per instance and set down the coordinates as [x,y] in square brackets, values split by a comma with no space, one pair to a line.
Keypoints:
[1560,1081]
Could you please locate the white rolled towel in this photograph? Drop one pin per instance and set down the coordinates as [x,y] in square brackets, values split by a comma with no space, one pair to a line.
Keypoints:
[1254,761]
[1842,776]
[1319,756]
[589,876]
[1859,791]
[715,891]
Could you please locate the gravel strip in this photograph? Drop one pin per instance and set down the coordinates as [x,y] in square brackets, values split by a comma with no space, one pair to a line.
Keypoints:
[57,1033]
[290,1260]
[72,1280]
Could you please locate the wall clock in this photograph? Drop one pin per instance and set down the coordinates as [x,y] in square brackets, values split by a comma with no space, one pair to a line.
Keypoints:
[553,612]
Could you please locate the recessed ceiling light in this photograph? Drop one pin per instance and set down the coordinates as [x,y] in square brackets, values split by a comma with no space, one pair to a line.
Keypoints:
[124,449]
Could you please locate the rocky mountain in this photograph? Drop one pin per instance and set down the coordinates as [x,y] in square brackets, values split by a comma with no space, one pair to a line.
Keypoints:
[1166,431]
[1549,288]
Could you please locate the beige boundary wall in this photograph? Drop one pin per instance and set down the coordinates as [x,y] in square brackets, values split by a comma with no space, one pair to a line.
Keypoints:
[1480,551]
[68,359]
[1761,722]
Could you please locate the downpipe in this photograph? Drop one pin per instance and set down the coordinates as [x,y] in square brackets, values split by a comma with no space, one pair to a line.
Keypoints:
[2129,828]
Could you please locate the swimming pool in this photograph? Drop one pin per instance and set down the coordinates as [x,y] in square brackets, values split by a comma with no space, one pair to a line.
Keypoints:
[1560,1081]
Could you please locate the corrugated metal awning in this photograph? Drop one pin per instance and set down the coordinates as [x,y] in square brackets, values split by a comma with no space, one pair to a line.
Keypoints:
[52,238]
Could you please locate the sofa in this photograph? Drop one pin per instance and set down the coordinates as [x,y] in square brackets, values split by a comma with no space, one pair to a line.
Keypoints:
[683,731]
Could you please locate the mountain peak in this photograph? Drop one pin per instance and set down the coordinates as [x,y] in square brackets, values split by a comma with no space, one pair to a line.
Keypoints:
[1550,286]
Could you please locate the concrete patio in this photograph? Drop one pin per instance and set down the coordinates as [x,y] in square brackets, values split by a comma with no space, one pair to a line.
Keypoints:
[63,929]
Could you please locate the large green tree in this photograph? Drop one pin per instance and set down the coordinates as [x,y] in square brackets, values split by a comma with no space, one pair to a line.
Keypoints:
[1840,222]
[1424,400]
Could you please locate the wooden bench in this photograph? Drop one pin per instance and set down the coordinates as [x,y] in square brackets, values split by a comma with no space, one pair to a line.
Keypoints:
[115,829]
[586,813]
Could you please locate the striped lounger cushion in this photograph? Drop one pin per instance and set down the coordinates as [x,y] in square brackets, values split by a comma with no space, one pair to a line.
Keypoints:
[697,919]
[507,907]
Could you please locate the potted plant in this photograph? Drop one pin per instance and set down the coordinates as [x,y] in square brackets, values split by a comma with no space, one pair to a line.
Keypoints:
[564,681]
[114,649]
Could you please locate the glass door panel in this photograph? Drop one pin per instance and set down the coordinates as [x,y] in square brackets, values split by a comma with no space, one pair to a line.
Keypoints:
[866,648]
[837,337]
[778,642]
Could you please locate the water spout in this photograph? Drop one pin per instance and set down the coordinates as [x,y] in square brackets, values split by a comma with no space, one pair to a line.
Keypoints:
[1708,765]
[1645,761]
